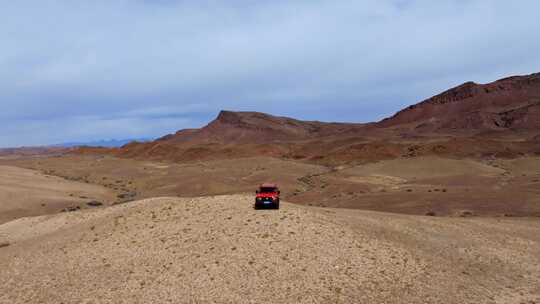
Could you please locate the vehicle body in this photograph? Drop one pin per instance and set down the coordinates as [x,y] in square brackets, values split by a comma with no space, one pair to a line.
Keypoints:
[267,196]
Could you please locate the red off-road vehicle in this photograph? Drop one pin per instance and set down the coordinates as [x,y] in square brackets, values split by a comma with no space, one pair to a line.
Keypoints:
[267,196]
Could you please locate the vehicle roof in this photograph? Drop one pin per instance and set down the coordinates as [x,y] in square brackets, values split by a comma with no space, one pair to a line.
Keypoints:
[268,185]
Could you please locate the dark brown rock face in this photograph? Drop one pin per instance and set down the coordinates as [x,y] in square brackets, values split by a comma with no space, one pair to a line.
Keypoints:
[509,103]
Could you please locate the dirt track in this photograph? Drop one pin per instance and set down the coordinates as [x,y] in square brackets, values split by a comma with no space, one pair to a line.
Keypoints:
[220,250]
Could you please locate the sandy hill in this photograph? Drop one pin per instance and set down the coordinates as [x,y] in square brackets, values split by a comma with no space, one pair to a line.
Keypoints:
[218,249]
[26,192]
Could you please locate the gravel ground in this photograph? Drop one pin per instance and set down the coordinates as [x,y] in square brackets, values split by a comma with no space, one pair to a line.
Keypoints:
[219,250]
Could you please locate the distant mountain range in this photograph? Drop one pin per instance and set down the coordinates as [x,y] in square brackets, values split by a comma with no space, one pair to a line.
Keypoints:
[111,143]
[67,147]
[499,119]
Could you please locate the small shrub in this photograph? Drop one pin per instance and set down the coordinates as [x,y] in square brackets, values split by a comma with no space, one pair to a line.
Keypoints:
[466,214]
[94,204]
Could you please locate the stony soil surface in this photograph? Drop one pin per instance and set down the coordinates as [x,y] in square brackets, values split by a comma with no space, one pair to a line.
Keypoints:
[417,185]
[219,250]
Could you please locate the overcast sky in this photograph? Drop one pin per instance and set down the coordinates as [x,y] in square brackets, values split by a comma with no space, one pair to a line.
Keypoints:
[99,69]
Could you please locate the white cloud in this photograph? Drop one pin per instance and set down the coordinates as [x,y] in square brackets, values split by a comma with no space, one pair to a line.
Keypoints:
[61,59]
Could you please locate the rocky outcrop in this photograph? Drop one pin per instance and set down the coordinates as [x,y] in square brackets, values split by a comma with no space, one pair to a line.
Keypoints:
[509,103]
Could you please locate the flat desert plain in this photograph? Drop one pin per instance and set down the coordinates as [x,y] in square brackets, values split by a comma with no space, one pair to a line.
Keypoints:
[416,185]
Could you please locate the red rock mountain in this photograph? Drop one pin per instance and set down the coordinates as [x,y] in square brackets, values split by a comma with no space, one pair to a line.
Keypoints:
[255,127]
[453,123]
[235,134]
[511,103]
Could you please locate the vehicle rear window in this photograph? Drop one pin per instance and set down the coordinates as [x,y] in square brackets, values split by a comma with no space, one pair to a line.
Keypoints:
[267,190]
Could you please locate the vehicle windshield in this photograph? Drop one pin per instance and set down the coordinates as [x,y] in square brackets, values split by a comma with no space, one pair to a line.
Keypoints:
[267,190]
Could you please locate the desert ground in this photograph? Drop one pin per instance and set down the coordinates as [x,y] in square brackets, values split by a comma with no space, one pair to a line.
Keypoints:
[25,192]
[406,230]
[217,249]
[415,185]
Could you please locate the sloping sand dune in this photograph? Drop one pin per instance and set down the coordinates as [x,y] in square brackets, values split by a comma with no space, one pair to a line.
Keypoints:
[220,250]
[25,192]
